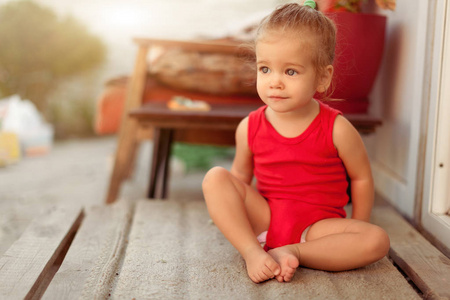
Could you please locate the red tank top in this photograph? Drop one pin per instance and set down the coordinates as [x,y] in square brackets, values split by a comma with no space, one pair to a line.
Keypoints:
[305,168]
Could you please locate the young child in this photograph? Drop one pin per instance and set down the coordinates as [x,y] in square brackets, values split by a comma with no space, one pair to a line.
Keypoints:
[300,151]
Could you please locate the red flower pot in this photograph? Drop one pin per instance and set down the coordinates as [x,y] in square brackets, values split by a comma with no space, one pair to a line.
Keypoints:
[359,50]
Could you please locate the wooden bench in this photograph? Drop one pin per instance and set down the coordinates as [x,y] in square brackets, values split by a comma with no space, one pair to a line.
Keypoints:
[166,122]
[170,250]
[214,127]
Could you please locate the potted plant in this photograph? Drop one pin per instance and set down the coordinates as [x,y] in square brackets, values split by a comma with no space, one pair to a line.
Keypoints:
[359,50]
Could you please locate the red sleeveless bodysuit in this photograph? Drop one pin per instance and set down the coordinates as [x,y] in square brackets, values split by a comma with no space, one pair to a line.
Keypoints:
[302,178]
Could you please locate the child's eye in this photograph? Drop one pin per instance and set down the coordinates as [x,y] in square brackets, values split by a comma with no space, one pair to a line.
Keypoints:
[291,72]
[264,70]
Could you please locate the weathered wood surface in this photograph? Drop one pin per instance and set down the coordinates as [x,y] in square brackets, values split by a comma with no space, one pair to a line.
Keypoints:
[91,263]
[28,263]
[174,252]
[171,250]
[428,268]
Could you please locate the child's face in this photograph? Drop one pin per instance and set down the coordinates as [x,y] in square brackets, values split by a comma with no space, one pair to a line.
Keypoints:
[287,79]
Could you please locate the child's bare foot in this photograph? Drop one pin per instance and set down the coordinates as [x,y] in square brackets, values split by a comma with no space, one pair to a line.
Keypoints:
[260,265]
[287,258]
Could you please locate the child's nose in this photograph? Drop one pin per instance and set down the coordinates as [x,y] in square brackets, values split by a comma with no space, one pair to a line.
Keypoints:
[275,81]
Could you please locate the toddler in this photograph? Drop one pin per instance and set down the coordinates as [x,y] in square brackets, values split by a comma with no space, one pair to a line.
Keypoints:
[303,154]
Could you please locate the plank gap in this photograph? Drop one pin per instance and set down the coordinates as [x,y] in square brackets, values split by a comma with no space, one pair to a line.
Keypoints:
[91,263]
[407,278]
[41,285]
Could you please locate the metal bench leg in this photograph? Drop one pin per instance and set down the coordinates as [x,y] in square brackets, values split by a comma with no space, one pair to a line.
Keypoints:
[162,145]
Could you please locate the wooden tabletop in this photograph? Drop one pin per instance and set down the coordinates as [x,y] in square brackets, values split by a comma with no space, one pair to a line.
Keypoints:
[221,116]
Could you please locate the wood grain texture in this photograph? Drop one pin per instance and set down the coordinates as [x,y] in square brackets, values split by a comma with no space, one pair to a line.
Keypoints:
[175,252]
[26,264]
[92,261]
[427,267]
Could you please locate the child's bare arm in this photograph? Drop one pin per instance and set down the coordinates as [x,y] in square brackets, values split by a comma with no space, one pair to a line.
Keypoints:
[242,166]
[356,161]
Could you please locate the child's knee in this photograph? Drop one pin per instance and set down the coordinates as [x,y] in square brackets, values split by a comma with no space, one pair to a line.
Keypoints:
[214,177]
[384,242]
[378,242]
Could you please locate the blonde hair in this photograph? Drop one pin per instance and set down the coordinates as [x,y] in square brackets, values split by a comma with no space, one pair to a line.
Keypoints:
[296,18]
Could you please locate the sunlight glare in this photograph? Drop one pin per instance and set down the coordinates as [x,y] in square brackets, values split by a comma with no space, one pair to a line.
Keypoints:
[121,17]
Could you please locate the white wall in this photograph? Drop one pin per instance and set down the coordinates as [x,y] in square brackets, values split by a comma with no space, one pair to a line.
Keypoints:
[397,97]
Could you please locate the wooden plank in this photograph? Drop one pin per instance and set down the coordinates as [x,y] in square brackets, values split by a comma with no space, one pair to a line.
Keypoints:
[27,263]
[426,266]
[175,252]
[91,263]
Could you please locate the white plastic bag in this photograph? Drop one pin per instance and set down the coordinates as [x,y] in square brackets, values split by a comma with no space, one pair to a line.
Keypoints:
[22,117]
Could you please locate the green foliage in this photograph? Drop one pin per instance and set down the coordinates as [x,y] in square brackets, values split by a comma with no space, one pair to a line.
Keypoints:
[353,6]
[39,50]
[73,118]
[200,157]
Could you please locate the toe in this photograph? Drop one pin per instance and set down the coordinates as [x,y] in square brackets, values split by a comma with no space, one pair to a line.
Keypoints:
[268,273]
[263,276]
[288,277]
[258,279]
[274,267]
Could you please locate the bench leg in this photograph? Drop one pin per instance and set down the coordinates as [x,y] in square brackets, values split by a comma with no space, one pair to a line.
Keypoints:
[162,145]
[127,142]
[131,163]
[126,149]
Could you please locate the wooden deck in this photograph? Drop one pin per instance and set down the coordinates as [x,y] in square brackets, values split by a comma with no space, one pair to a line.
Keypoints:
[170,250]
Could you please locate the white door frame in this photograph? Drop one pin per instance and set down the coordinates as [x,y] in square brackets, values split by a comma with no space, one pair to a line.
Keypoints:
[436,190]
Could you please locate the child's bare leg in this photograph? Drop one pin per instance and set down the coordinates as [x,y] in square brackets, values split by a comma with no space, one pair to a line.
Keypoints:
[334,245]
[240,213]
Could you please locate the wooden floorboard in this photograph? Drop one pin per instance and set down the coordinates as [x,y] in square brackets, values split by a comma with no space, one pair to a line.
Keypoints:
[28,262]
[170,249]
[426,266]
[175,252]
[91,263]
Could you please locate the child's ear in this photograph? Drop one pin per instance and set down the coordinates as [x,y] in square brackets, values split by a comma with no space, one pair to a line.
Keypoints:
[325,79]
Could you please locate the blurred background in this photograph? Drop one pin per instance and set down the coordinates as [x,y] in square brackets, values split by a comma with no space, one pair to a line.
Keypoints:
[55,59]
[59,53]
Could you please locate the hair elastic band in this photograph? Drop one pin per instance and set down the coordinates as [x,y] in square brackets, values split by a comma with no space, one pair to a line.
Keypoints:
[310,3]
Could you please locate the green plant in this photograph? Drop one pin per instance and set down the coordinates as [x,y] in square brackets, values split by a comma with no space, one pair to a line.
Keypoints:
[72,118]
[200,157]
[353,6]
[348,5]
[39,50]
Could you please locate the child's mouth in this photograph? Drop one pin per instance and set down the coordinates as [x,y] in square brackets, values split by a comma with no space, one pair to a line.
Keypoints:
[277,98]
